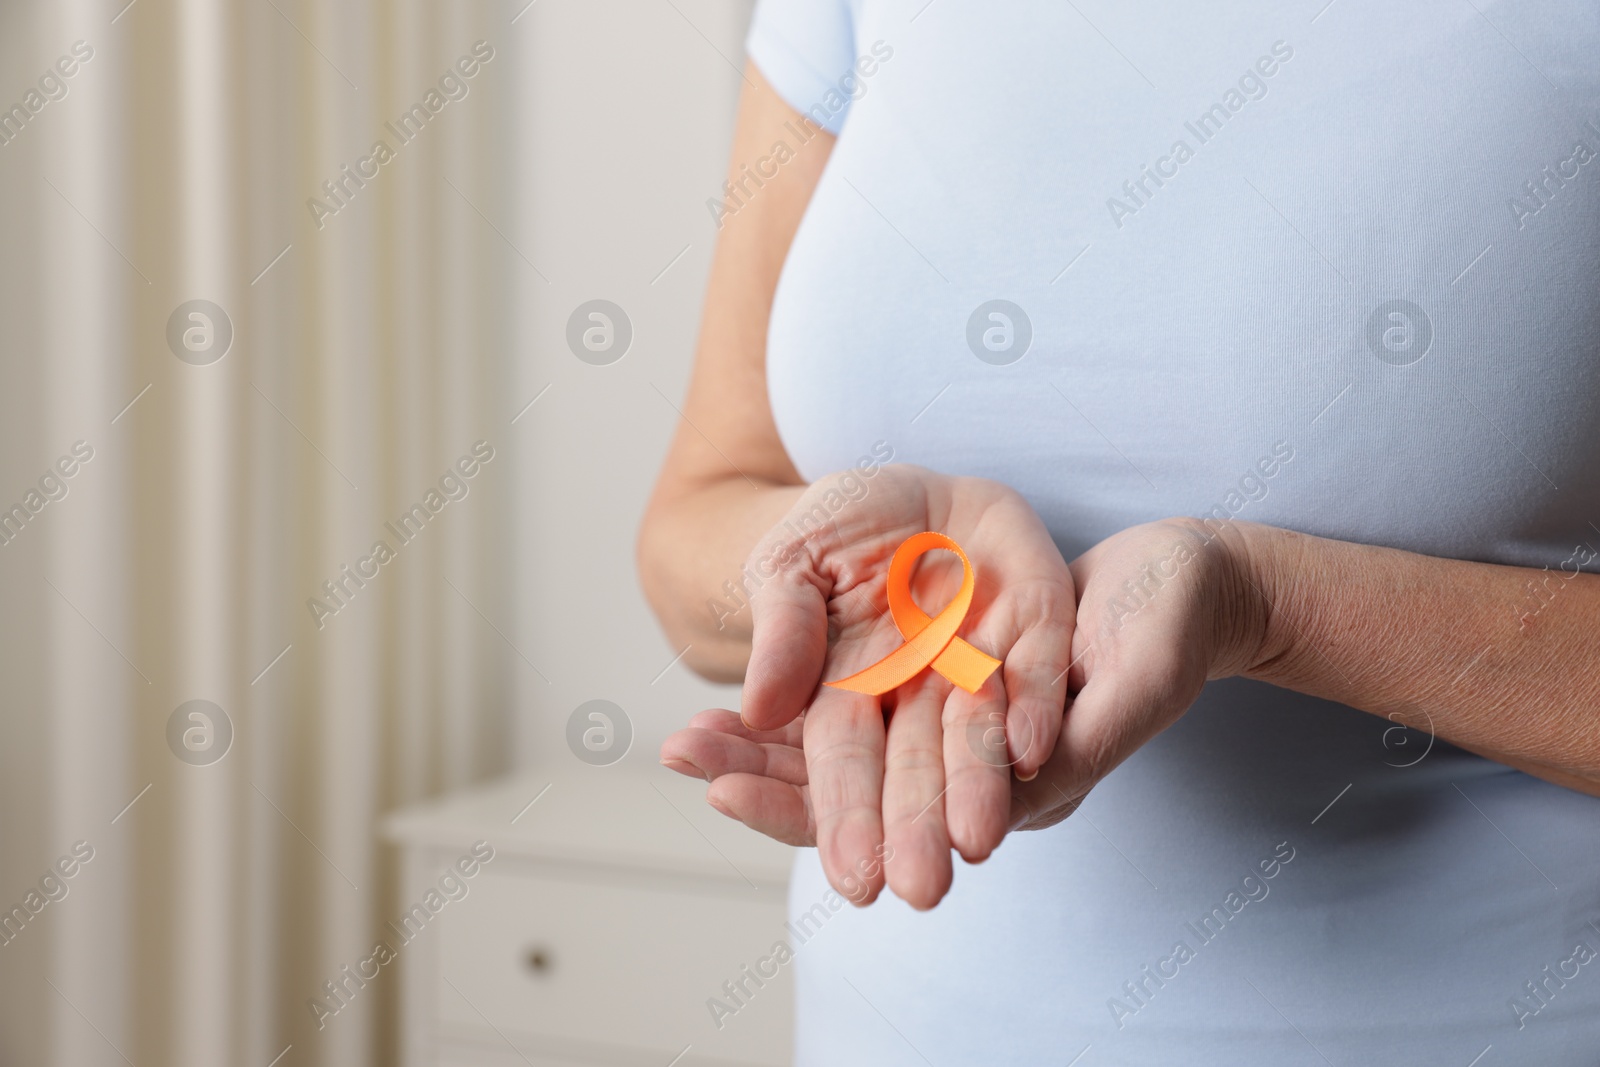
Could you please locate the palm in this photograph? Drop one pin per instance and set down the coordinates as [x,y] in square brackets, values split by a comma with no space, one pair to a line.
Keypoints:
[809,764]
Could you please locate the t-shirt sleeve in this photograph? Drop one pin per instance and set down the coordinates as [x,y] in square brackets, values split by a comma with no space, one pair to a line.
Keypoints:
[804,48]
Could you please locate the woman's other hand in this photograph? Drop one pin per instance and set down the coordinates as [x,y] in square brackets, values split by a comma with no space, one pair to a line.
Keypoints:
[1163,608]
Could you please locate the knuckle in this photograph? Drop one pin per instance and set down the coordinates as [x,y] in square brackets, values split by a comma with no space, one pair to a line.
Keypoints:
[913,761]
[1095,759]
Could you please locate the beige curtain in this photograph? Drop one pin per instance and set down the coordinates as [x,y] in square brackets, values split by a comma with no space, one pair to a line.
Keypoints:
[212,494]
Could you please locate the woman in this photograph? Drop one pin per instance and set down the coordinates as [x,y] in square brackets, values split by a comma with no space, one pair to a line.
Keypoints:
[1283,328]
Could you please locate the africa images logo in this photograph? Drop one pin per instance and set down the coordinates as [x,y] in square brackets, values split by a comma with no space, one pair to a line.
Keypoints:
[999,332]
[599,732]
[1137,192]
[1399,332]
[454,85]
[199,332]
[199,732]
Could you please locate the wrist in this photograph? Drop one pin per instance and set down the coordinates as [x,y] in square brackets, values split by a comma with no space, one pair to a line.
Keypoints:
[1248,566]
[1263,559]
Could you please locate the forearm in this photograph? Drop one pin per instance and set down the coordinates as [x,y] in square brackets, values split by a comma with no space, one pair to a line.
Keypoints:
[727,478]
[692,553]
[1471,652]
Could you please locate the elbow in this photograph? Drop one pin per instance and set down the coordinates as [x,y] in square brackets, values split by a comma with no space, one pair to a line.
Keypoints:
[721,669]
[651,561]
[703,627]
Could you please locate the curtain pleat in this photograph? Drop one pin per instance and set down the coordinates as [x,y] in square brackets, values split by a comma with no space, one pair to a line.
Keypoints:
[226,498]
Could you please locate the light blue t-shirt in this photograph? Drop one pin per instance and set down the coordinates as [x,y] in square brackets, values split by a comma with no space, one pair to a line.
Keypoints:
[1329,266]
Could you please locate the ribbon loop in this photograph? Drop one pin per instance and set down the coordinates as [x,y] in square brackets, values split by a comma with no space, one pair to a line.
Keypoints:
[930,641]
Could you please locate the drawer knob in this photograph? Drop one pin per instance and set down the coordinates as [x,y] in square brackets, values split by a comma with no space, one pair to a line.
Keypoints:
[539,960]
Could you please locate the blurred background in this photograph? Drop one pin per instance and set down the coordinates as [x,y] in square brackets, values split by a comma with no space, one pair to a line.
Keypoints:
[341,342]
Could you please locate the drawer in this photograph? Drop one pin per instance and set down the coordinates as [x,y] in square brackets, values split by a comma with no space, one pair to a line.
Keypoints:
[471,1054]
[614,968]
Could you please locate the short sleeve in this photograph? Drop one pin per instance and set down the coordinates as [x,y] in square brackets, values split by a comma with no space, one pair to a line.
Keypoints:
[804,48]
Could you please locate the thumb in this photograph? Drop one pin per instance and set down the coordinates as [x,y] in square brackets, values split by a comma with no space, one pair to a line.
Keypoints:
[1105,723]
[789,643]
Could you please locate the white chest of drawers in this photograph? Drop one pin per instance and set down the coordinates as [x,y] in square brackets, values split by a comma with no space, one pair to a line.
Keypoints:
[616,906]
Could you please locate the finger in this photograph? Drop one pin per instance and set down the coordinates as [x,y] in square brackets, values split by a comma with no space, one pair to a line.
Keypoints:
[1107,721]
[1035,674]
[844,743]
[977,796]
[1052,795]
[913,793]
[789,614]
[777,809]
[710,755]
[728,722]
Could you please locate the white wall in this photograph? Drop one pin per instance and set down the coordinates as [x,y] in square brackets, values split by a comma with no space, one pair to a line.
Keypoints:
[627,116]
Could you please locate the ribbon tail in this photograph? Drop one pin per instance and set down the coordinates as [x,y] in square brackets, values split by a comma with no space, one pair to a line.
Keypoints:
[965,666]
[905,662]
[894,670]
[962,664]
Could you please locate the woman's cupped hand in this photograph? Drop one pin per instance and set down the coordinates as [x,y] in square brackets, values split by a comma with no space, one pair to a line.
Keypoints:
[1097,658]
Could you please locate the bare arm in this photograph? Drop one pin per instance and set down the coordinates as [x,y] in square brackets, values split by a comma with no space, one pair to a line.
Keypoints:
[727,479]
[1503,661]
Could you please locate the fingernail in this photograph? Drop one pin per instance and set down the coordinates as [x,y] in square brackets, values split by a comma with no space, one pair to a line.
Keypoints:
[1030,776]
[715,803]
[683,766]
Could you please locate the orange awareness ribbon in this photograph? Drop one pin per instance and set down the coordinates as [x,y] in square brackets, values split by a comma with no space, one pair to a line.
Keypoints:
[930,642]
